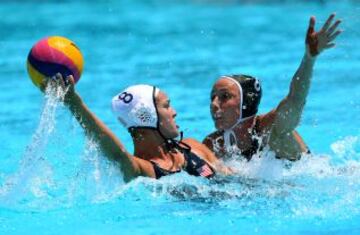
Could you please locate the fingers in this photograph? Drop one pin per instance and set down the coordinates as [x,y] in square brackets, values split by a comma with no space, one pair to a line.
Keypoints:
[64,82]
[60,80]
[333,27]
[312,22]
[70,80]
[57,81]
[52,81]
[328,22]
[329,45]
[333,36]
[311,40]
[323,39]
[311,25]
[43,84]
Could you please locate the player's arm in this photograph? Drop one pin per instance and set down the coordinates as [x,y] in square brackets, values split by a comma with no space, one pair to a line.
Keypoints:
[288,112]
[94,128]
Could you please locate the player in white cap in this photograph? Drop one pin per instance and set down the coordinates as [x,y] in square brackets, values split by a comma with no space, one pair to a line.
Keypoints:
[147,114]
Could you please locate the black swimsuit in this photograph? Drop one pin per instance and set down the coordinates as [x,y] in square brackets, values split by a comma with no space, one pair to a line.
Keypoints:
[255,145]
[194,165]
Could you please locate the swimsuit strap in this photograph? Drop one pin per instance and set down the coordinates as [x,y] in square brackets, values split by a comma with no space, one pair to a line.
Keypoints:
[193,165]
[159,172]
[169,144]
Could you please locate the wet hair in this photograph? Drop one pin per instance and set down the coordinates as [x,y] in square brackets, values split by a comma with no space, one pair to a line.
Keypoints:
[252,92]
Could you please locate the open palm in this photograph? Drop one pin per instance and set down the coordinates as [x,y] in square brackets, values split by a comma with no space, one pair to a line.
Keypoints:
[316,42]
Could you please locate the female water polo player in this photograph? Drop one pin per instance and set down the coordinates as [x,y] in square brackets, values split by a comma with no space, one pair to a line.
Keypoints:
[147,114]
[235,100]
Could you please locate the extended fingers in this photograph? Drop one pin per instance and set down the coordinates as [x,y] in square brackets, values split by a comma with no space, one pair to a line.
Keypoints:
[70,80]
[334,35]
[57,81]
[333,27]
[60,80]
[311,25]
[52,81]
[328,22]
[43,84]
[329,45]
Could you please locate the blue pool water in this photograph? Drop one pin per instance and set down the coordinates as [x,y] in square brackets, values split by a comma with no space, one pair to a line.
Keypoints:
[54,181]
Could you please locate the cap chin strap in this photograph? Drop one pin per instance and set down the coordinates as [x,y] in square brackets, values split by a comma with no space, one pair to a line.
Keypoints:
[171,144]
[230,140]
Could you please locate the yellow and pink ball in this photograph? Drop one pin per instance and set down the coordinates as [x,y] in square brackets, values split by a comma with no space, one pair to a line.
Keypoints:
[53,55]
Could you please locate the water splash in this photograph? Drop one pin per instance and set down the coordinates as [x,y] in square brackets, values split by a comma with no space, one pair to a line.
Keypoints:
[34,177]
[263,186]
[347,148]
[96,179]
[51,172]
[312,188]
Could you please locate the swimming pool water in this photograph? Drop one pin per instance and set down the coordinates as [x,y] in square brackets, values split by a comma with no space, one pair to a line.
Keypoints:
[54,181]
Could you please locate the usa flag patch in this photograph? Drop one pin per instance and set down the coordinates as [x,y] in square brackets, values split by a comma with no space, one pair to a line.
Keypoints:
[205,171]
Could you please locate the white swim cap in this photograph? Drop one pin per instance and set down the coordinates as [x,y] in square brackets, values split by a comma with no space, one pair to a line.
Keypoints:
[135,106]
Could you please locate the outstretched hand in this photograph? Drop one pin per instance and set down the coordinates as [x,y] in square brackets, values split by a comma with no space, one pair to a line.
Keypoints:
[316,42]
[67,85]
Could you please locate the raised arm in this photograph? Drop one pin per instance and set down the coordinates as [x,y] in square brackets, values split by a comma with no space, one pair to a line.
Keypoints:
[96,129]
[288,113]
